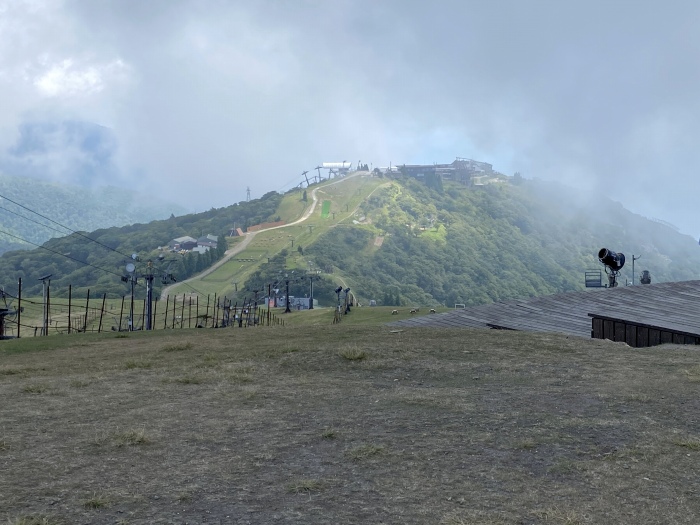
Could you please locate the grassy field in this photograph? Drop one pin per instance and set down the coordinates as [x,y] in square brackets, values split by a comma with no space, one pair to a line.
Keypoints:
[347,424]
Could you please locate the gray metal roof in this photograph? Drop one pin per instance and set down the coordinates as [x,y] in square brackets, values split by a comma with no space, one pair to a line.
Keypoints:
[676,303]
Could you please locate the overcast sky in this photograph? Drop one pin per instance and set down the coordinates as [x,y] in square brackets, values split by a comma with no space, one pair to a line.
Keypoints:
[197,100]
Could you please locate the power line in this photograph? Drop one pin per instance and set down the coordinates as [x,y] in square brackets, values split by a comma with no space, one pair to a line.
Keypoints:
[62,226]
[70,230]
[32,220]
[61,254]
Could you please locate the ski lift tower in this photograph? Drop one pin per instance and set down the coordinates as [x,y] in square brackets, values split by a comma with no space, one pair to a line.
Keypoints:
[339,169]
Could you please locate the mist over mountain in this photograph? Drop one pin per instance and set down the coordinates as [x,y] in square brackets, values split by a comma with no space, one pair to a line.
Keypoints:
[498,242]
[412,242]
[67,151]
[78,208]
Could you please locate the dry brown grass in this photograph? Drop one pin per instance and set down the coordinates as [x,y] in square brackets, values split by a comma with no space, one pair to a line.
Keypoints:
[271,425]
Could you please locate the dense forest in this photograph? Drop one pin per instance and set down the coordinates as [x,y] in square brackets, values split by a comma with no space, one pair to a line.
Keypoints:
[453,244]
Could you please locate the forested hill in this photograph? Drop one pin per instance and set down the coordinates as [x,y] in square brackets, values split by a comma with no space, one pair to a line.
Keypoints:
[76,207]
[96,260]
[409,243]
[456,244]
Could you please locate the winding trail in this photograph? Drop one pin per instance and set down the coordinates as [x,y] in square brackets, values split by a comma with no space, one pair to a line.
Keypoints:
[249,237]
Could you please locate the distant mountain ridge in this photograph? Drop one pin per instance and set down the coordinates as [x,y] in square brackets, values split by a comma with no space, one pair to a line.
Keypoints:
[76,207]
[408,244]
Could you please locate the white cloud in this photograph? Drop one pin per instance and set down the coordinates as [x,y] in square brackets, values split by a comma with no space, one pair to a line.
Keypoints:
[253,93]
[67,79]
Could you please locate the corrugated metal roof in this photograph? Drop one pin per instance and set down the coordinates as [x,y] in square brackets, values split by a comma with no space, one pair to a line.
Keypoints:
[676,303]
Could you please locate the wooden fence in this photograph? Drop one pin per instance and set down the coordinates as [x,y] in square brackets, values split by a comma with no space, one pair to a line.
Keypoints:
[73,315]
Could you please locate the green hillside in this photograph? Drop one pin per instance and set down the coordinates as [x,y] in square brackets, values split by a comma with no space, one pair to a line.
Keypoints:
[492,243]
[78,261]
[396,241]
[407,243]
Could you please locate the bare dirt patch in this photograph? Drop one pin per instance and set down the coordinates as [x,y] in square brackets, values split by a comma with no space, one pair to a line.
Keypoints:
[290,426]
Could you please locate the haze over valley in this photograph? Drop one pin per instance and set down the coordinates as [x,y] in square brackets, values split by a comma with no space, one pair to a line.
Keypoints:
[194,105]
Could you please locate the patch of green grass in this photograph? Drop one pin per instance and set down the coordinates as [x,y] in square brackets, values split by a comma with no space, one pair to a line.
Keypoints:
[121,336]
[565,466]
[239,377]
[4,445]
[185,497]
[79,383]
[561,517]
[456,519]
[527,444]
[37,388]
[329,433]
[211,358]
[638,398]
[181,347]
[693,373]
[131,364]
[691,443]
[97,501]
[353,354]
[189,380]
[10,371]
[365,452]
[304,486]
[131,438]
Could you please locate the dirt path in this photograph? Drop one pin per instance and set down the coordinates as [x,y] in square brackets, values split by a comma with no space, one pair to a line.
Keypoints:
[249,237]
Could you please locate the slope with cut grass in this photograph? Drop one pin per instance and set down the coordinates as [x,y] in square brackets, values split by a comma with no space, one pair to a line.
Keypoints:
[337,204]
[347,424]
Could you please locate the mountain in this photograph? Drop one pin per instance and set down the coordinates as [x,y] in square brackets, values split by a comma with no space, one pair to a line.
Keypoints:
[405,243]
[76,207]
[414,243]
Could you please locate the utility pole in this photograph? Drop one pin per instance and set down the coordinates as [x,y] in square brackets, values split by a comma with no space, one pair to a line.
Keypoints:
[149,296]
[634,259]
[131,270]
[347,304]
[255,307]
[311,292]
[286,301]
[131,308]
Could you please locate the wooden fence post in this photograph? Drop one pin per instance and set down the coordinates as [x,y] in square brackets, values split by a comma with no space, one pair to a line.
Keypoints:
[87,304]
[155,306]
[121,313]
[19,305]
[99,327]
[165,316]
[70,293]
